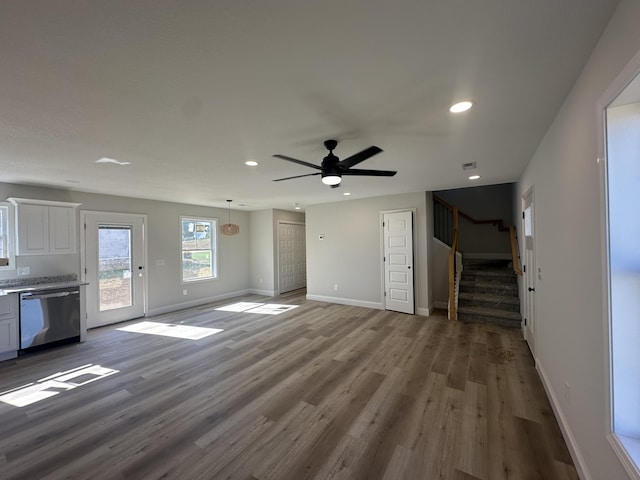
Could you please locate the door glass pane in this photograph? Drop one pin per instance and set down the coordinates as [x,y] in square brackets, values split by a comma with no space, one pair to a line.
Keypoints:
[114,267]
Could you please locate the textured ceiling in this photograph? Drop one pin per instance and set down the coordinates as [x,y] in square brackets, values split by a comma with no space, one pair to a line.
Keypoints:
[187,91]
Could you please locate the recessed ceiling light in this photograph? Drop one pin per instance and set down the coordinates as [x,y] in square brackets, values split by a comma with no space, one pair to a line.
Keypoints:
[346,194]
[112,160]
[474,177]
[460,107]
[296,206]
[251,163]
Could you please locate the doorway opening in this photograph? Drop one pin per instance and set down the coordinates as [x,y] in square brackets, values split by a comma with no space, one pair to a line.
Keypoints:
[529,267]
[292,256]
[114,266]
[397,237]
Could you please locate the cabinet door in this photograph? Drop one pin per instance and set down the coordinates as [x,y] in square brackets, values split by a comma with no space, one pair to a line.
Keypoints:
[33,229]
[8,326]
[8,336]
[62,230]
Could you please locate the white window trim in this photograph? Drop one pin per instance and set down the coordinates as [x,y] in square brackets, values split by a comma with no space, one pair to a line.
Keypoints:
[214,222]
[11,246]
[626,448]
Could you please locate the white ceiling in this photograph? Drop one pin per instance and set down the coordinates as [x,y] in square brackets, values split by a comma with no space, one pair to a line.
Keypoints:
[188,90]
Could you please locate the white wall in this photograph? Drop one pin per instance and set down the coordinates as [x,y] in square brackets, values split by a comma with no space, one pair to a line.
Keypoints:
[350,254]
[163,240]
[569,296]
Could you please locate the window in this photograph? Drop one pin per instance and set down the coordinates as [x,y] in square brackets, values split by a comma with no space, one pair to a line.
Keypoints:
[198,248]
[6,246]
[623,197]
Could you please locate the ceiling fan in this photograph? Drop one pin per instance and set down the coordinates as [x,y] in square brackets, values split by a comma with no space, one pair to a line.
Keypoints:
[332,168]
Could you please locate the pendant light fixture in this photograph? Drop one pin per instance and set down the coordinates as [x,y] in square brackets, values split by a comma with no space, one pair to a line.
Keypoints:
[229,228]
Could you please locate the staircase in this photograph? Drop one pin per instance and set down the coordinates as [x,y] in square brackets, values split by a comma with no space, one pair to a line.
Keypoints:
[489,293]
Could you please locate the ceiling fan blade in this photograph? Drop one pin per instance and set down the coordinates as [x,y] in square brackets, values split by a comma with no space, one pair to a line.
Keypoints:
[297,176]
[360,157]
[371,173]
[295,160]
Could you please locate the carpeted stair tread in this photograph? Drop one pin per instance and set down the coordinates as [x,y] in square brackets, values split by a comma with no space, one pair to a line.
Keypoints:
[487,297]
[490,312]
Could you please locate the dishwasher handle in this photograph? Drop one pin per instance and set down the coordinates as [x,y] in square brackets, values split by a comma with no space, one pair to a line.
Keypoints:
[38,296]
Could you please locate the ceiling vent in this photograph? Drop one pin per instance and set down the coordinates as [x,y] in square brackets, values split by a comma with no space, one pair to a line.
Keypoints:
[469,166]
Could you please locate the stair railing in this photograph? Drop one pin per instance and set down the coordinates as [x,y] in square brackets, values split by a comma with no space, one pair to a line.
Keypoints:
[453,304]
[514,251]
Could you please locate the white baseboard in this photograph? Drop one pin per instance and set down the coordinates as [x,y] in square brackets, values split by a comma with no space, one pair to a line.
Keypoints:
[425,312]
[574,450]
[195,303]
[345,301]
[266,293]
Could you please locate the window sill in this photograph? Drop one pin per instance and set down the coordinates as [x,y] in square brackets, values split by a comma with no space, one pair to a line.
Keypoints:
[628,450]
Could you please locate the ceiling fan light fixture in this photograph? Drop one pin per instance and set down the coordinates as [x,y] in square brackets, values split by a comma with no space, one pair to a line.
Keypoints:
[461,106]
[331,179]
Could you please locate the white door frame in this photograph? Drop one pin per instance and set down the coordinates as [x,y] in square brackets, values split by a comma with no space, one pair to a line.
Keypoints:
[286,222]
[529,276]
[382,213]
[83,247]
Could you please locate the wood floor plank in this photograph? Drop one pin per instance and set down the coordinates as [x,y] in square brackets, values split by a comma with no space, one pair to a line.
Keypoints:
[321,391]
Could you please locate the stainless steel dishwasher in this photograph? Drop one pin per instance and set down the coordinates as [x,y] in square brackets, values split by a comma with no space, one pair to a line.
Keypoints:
[49,317]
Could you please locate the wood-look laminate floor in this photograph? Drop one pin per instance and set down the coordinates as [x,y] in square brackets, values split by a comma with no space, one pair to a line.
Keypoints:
[321,391]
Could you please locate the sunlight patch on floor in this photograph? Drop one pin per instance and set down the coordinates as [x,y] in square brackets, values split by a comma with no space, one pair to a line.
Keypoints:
[263,308]
[55,384]
[171,330]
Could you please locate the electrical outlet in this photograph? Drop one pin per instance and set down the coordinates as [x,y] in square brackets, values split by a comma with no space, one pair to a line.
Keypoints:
[24,270]
[184,292]
[335,287]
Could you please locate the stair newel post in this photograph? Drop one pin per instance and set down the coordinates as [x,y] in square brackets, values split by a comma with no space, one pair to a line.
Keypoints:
[452,267]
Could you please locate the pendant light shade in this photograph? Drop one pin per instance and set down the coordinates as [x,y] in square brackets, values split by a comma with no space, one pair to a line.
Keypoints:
[229,228]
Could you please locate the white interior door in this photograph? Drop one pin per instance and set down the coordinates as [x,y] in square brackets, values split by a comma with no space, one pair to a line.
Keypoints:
[398,261]
[114,267]
[529,304]
[292,257]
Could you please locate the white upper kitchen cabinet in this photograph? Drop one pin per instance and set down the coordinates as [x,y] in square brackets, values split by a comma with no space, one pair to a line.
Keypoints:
[45,227]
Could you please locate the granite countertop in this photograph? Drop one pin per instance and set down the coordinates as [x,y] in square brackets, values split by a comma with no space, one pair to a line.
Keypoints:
[39,283]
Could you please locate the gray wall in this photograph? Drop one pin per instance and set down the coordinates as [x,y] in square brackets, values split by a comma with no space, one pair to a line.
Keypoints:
[264,247]
[350,254]
[261,252]
[570,302]
[163,241]
[439,268]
